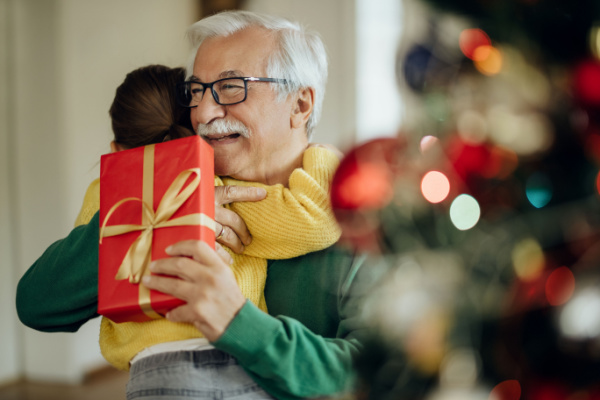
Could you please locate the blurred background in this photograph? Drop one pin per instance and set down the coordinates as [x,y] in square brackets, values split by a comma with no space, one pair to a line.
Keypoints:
[472,138]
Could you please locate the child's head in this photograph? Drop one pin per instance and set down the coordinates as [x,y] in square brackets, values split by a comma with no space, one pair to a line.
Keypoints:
[145,110]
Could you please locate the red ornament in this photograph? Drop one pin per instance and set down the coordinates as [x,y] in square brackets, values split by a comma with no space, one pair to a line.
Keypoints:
[586,81]
[364,179]
[362,185]
[482,160]
[506,390]
[548,391]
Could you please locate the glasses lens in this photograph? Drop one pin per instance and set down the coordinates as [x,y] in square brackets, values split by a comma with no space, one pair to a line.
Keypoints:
[230,91]
[189,94]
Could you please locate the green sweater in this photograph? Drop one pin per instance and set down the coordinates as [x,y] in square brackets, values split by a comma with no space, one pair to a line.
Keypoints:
[303,348]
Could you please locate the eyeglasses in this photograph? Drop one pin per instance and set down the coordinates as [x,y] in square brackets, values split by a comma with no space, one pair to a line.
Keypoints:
[226,91]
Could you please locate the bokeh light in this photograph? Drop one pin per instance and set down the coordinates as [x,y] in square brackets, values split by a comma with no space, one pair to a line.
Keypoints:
[460,367]
[550,390]
[580,317]
[488,60]
[506,390]
[435,186]
[587,82]
[528,259]
[524,133]
[365,176]
[464,212]
[538,190]
[526,80]
[368,187]
[428,142]
[472,126]
[598,183]
[472,39]
[425,342]
[560,286]
[595,41]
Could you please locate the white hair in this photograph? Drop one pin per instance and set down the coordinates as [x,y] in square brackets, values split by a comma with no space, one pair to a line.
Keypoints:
[300,58]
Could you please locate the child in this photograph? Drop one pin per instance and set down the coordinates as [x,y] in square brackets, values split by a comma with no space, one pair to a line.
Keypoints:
[288,223]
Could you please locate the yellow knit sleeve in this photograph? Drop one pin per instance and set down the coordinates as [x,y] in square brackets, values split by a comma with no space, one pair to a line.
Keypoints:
[91,203]
[297,220]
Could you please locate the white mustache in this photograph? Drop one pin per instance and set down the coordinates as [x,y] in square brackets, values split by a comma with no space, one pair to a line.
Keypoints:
[223,127]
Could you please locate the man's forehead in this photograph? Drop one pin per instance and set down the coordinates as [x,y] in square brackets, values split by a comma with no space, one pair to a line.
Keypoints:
[244,53]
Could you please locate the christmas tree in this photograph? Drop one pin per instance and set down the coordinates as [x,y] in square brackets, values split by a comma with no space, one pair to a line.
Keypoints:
[482,217]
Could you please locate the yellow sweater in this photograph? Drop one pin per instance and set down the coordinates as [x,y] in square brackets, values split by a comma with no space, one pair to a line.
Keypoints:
[288,223]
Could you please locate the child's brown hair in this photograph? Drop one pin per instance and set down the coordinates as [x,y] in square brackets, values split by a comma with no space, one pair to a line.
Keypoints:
[145,110]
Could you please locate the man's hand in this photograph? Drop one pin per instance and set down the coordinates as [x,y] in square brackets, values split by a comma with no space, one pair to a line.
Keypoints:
[201,277]
[231,230]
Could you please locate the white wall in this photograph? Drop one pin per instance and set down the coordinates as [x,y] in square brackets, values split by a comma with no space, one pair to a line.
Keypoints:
[379,106]
[61,66]
[9,343]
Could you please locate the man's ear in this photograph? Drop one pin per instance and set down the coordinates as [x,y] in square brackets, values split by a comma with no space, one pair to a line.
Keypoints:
[114,147]
[302,107]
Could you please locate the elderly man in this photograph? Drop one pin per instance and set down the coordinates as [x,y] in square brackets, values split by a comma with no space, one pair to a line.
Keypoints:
[304,346]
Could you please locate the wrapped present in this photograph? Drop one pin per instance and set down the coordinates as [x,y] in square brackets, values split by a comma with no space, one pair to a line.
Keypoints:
[150,198]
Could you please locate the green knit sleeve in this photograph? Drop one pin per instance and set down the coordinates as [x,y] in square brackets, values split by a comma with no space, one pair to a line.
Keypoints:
[286,359]
[59,292]
[291,353]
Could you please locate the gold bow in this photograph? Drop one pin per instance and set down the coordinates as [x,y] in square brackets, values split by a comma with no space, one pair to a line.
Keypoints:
[135,263]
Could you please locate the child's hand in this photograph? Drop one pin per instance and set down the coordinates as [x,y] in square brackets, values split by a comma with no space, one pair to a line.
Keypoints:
[329,147]
[231,230]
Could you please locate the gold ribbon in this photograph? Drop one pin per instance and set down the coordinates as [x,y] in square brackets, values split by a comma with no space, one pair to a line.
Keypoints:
[135,263]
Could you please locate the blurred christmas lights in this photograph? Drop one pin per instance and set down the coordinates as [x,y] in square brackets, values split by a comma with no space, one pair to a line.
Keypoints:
[435,186]
[506,390]
[580,317]
[560,286]
[502,180]
[427,142]
[472,39]
[528,259]
[488,60]
[587,82]
[464,212]
[538,190]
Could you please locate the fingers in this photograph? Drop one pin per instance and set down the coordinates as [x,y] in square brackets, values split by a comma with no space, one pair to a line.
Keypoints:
[206,284]
[190,261]
[198,250]
[230,194]
[171,286]
[231,229]
[235,234]
[225,256]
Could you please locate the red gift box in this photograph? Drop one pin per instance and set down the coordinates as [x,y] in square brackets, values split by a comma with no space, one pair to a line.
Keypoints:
[150,197]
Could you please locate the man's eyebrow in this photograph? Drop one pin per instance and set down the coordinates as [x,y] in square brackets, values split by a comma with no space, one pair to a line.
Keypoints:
[224,74]
[231,74]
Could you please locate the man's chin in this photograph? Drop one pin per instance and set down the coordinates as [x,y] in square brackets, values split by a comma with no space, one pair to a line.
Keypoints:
[223,167]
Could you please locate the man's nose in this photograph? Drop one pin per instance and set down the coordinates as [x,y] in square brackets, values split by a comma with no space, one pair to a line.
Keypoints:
[207,110]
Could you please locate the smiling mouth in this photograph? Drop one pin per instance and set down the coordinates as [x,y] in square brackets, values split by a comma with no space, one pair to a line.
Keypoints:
[233,136]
